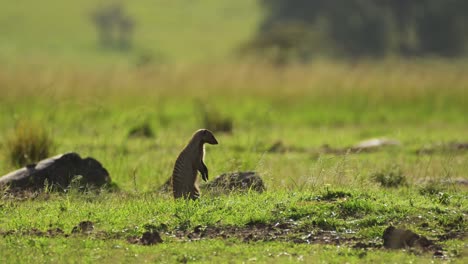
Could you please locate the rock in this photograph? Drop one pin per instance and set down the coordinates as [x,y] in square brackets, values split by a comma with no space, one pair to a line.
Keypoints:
[368,145]
[84,227]
[373,144]
[142,131]
[58,172]
[395,238]
[150,238]
[166,187]
[147,239]
[277,147]
[280,147]
[237,181]
[227,182]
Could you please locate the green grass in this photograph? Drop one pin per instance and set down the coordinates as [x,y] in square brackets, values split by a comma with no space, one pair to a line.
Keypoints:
[364,214]
[46,250]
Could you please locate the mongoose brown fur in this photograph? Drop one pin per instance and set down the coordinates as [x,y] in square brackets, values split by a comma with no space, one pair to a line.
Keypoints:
[184,177]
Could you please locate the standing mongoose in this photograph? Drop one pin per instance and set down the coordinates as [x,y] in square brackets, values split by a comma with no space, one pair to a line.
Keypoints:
[184,177]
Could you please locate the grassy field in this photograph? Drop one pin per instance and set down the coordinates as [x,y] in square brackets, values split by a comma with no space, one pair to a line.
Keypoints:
[313,193]
[322,204]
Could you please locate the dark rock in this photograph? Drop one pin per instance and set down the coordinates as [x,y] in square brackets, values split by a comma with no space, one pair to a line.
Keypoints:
[166,187]
[58,172]
[228,182]
[280,147]
[395,238]
[84,227]
[142,131]
[237,181]
[150,238]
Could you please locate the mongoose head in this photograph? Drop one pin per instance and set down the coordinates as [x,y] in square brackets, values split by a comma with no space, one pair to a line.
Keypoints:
[206,136]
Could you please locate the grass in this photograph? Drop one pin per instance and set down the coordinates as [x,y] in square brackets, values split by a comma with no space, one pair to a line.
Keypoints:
[213,251]
[28,143]
[118,216]
[391,177]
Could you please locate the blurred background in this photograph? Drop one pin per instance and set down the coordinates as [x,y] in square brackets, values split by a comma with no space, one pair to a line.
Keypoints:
[212,31]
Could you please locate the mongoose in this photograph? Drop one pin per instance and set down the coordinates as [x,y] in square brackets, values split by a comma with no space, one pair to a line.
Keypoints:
[190,160]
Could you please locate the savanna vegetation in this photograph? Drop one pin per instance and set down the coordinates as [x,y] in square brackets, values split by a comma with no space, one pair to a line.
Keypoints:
[133,106]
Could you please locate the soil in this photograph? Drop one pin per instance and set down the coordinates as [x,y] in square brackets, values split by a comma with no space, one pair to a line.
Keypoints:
[393,238]
[148,238]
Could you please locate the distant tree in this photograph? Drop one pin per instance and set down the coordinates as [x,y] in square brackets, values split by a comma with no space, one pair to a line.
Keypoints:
[443,28]
[114,27]
[368,27]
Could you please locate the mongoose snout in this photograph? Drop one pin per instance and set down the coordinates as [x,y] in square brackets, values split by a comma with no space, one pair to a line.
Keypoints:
[209,138]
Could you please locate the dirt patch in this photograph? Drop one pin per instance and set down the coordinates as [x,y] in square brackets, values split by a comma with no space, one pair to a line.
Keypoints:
[457,182]
[148,238]
[281,231]
[21,195]
[53,232]
[452,235]
[288,231]
[369,145]
[451,147]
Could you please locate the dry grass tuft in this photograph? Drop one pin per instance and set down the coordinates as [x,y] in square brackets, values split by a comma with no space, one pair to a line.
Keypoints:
[143,130]
[390,178]
[29,143]
[213,120]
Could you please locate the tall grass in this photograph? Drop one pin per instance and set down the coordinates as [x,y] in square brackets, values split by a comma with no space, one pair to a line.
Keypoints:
[28,143]
[382,82]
